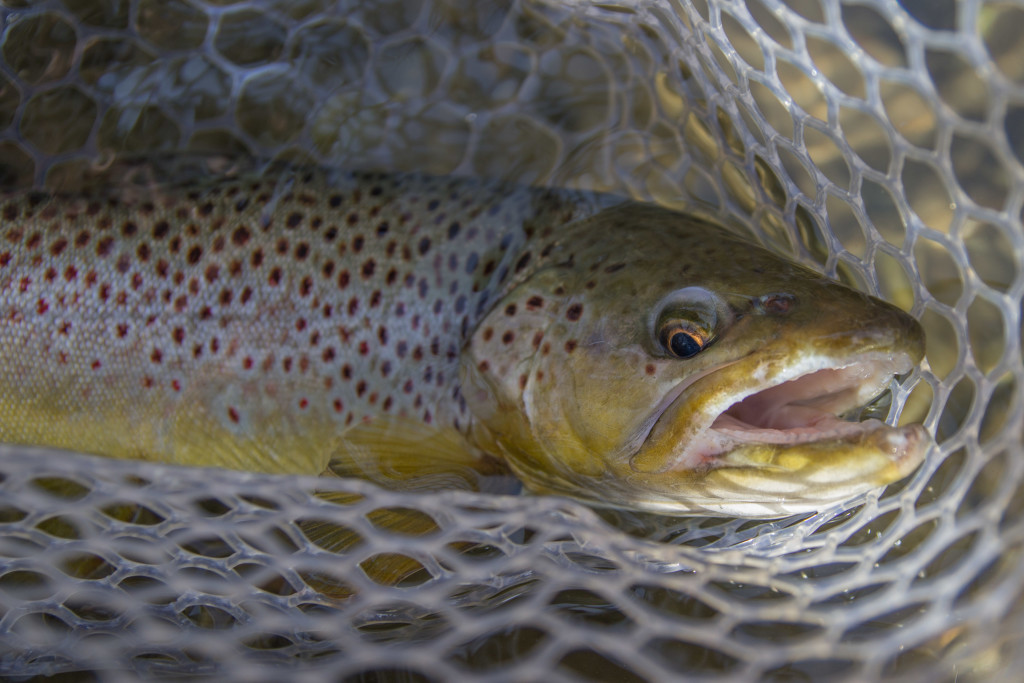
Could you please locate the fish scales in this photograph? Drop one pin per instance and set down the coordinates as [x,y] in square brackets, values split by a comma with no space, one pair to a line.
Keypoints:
[279,312]
[416,331]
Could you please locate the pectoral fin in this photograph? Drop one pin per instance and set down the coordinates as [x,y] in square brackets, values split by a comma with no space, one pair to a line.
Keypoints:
[402,455]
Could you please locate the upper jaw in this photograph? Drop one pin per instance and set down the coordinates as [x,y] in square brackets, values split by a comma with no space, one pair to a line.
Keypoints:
[796,404]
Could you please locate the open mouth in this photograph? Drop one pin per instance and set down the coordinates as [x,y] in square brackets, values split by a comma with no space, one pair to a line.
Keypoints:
[808,407]
[802,404]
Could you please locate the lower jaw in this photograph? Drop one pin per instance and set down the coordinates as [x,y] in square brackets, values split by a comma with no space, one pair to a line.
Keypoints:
[869,451]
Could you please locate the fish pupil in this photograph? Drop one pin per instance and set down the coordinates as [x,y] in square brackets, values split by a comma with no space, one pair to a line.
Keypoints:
[684,345]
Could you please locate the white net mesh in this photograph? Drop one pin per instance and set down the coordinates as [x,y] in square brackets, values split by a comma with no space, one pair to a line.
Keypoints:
[880,142]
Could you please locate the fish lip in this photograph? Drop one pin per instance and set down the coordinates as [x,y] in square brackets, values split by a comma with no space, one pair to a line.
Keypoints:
[696,455]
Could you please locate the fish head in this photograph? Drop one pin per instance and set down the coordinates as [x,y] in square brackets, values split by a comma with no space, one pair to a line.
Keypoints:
[655,361]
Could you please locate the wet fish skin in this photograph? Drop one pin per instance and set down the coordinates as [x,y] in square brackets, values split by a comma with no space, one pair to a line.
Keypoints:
[248,323]
[379,324]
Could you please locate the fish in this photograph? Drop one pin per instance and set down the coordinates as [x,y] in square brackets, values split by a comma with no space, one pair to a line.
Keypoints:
[426,332]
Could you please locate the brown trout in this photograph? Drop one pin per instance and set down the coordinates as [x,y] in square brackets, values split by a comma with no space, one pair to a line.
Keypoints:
[393,325]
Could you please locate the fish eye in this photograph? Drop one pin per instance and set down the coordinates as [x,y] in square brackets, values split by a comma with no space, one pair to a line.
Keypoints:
[681,340]
[687,321]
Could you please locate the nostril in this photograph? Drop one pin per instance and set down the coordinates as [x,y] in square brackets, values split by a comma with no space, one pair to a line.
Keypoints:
[775,304]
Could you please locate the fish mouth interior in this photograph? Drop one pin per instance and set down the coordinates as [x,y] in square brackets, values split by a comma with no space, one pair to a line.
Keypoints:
[806,407]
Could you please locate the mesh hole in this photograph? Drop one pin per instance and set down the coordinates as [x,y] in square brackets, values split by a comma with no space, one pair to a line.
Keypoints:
[927,194]
[771,24]
[500,648]
[910,113]
[742,43]
[991,253]
[674,604]
[956,409]
[867,136]
[26,585]
[877,628]
[86,566]
[938,270]
[592,666]
[942,347]
[987,334]
[248,37]
[980,172]
[935,14]
[680,655]
[1000,30]
[836,66]
[593,609]
[874,34]
[40,49]
[1005,399]
[813,670]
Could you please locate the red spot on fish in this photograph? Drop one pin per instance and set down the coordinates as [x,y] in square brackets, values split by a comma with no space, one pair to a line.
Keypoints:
[233,415]
[574,312]
[649,369]
[156,356]
[338,405]
[122,330]
[176,385]
[42,306]
[367,269]
[508,337]
[303,404]
[570,346]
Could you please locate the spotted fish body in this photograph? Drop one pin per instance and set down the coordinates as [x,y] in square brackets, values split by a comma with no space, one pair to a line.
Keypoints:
[275,314]
[287,323]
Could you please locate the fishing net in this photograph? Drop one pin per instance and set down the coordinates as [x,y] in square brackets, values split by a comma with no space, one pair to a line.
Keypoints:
[879,142]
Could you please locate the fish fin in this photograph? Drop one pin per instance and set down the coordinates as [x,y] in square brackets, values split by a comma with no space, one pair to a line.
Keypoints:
[404,455]
[223,422]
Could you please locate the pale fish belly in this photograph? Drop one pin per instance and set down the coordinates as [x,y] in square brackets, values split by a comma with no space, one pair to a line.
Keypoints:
[248,324]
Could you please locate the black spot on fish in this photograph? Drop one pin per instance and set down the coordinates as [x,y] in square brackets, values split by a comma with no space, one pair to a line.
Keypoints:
[523,260]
